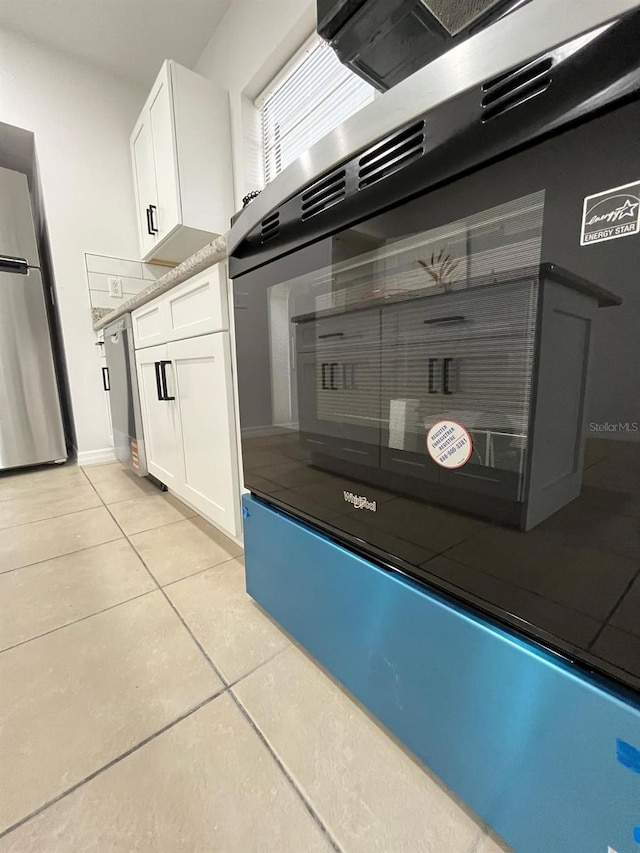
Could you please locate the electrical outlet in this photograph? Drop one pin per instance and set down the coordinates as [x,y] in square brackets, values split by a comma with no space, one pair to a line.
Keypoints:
[115,288]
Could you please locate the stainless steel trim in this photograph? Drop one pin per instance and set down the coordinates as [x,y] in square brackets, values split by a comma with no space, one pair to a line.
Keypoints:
[538,26]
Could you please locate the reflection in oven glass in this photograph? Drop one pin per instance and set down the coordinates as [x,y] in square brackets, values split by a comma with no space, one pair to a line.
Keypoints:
[465,329]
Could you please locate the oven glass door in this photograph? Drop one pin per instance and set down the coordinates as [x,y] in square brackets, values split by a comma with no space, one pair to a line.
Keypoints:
[452,387]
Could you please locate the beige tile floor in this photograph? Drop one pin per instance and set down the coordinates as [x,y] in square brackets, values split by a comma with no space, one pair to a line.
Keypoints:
[147,704]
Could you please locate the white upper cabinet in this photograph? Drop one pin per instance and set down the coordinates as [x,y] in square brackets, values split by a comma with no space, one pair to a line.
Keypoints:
[181,155]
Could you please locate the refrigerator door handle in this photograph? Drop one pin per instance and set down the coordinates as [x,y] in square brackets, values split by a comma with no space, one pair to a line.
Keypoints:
[16,265]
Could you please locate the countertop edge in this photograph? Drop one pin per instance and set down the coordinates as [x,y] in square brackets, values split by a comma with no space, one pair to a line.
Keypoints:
[212,253]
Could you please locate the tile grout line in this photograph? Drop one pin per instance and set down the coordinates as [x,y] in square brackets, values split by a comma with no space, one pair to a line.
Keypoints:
[194,574]
[227,687]
[112,763]
[171,604]
[292,782]
[166,597]
[258,666]
[223,689]
[66,553]
[76,621]
[38,491]
[48,517]
[606,621]
[194,638]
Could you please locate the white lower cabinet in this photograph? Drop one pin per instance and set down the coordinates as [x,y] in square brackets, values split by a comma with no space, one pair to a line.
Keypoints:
[188,417]
[208,470]
[159,415]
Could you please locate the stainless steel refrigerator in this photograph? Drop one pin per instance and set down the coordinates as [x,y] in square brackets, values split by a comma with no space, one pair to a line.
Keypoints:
[31,427]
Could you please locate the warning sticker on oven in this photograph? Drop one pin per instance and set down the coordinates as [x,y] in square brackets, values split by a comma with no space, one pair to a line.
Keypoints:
[449,444]
[611,214]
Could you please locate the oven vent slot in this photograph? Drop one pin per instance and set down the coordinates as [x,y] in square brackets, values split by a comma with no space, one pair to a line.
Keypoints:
[324,194]
[509,90]
[391,155]
[270,227]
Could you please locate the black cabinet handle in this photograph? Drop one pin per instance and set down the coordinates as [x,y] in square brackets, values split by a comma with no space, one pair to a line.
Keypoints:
[153,209]
[349,376]
[447,376]
[432,381]
[332,335]
[332,376]
[149,229]
[105,379]
[330,371]
[156,365]
[325,387]
[453,318]
[163,375]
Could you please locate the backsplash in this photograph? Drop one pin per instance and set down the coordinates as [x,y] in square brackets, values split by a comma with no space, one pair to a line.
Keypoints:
[134,276]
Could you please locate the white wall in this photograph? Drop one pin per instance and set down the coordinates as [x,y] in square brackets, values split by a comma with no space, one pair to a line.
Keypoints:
[81,118]
[252,42]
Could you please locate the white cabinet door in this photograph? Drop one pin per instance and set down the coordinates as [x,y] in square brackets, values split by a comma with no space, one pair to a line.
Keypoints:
[144,173]
[183,132]
[209,474]
[166,216]
[159,416]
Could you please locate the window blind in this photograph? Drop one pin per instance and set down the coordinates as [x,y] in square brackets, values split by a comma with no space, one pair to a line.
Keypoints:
[316,95]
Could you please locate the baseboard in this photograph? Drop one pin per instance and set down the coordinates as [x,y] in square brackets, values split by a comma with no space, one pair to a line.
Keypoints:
[95,457]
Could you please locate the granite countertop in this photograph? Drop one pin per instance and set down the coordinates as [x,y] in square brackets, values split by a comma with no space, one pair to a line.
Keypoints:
[210,254]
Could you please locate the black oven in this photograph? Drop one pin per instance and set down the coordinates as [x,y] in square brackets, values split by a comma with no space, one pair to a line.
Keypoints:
[438,346]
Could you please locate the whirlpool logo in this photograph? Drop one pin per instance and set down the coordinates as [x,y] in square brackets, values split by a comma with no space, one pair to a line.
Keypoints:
[360,501]
[611,214]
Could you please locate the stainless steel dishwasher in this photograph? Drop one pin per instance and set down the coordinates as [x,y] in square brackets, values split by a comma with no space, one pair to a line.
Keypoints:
[126,417]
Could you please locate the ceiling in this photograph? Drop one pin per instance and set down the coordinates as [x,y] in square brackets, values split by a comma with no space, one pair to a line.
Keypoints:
[130,38]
